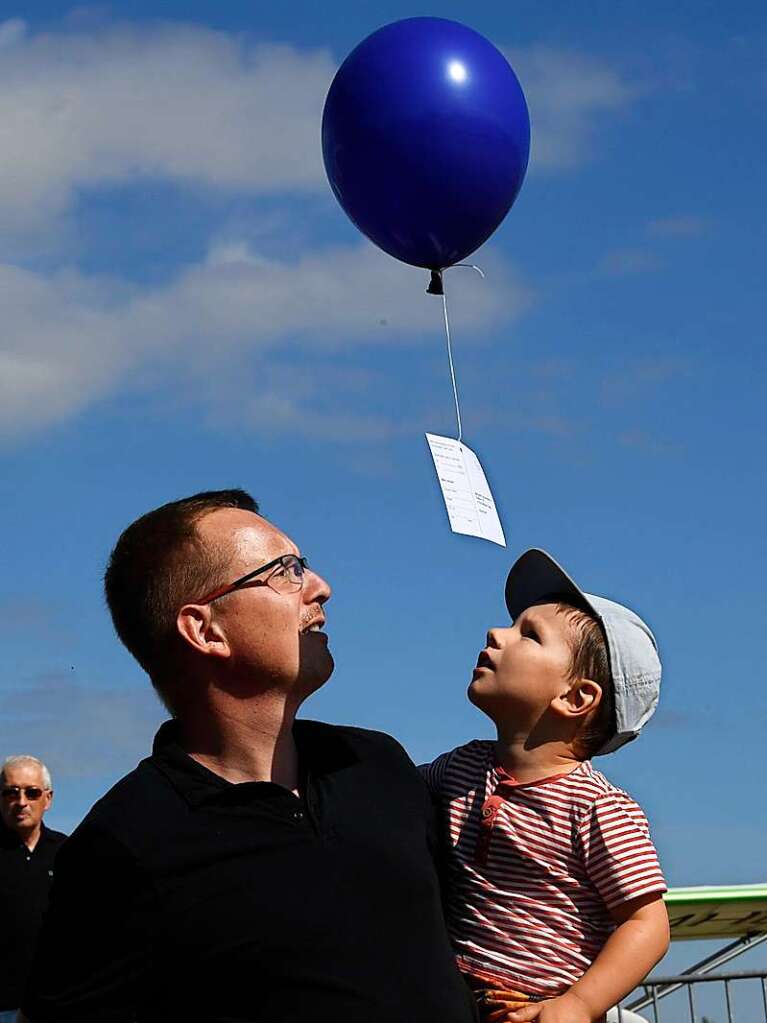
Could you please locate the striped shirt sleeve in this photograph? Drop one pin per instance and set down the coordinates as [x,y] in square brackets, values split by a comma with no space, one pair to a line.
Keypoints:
[618,852]
[434,772]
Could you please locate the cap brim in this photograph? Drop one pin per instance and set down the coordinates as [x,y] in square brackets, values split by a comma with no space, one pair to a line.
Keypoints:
[536,576]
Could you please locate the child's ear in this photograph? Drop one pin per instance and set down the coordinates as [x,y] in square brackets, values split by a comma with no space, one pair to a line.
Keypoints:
[583,697]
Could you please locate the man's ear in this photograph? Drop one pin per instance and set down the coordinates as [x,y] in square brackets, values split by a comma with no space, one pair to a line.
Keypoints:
[197,626]
[583,697]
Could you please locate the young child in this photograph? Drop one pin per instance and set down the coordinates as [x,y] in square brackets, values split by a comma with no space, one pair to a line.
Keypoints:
[553,887]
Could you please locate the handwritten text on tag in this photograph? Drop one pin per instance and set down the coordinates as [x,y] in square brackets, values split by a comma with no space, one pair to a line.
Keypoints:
[469,503]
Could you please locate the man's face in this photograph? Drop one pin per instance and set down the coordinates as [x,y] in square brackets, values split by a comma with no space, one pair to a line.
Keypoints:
[524,667]
[274,636]
[21,813]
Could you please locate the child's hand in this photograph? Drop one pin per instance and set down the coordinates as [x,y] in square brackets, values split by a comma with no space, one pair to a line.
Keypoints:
[497,1003]
[568,1008]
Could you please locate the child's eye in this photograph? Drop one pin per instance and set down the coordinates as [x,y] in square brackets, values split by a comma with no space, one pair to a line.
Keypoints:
[530,633]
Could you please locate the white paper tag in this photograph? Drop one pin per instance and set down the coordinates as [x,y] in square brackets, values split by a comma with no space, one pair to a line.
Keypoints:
[469,503]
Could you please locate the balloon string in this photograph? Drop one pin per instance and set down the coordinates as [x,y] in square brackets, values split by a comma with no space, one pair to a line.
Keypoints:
[452,368]
[449,344]
[470,266]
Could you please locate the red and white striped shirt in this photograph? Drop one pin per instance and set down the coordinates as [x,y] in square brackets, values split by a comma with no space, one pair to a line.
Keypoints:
[533,869]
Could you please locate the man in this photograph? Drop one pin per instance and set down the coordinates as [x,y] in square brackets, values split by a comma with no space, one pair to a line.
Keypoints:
[254,868]
[27,852]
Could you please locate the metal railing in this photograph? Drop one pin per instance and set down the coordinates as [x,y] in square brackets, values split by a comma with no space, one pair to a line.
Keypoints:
[658,988]
[704,972]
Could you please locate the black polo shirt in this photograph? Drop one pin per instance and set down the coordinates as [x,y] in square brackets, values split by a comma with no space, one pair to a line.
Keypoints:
[25,881]
[185,897]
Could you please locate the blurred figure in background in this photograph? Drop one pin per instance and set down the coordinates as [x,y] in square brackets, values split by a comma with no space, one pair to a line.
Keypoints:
[27,852]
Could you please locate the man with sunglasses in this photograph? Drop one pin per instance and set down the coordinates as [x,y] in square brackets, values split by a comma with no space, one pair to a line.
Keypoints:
[255,868]
[27,851]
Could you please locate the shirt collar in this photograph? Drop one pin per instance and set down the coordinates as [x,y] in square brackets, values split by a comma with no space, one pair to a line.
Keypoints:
[10,839]
[504,779]
[322,749]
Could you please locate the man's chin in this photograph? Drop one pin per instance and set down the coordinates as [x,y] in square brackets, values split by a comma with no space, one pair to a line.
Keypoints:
[315,675]
[23,827]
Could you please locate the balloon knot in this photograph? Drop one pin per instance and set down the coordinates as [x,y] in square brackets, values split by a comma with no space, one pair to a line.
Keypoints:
[435,284]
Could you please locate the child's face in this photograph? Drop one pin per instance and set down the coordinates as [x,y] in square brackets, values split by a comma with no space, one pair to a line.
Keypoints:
[523,668]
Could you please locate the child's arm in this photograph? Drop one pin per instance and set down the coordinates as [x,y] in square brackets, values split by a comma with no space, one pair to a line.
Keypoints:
[639,941]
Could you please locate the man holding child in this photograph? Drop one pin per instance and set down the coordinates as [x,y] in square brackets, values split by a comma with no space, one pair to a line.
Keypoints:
[259,868]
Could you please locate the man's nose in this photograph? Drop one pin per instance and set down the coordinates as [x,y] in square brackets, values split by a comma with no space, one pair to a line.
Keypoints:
[316,589]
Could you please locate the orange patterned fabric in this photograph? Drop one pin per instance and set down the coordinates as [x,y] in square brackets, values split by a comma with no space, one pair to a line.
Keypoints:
[494,1001]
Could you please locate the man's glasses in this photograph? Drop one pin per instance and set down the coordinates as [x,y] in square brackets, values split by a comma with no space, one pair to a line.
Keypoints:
[286,576]
[13,792]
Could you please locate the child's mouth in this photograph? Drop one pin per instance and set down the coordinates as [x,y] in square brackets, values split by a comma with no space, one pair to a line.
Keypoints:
[484,661]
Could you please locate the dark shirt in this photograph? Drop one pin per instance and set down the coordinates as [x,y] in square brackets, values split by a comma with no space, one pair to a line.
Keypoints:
[25,881]
[184,897]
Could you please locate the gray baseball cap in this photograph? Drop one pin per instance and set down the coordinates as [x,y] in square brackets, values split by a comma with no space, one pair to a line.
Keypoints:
[633,652]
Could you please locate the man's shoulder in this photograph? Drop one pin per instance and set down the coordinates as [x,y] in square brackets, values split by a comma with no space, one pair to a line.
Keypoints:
[119,815]
[53,837]
[363,741]
[365,745]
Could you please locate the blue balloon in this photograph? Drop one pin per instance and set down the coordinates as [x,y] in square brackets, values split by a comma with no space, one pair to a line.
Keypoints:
[426,138]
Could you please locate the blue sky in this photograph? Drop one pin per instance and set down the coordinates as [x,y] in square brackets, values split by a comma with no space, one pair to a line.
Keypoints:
[185,306]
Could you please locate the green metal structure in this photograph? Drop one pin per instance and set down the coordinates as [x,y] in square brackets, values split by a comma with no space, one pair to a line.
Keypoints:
[726,911]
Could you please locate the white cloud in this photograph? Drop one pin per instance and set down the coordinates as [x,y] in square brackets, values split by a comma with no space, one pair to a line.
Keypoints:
[194,106]
[231,253]
[69,340]
[624,262]
[11,32]
[80,731]
[637,378]
[102,105]
[22,612]
[641,440]
[567,92]
[177,102]
[112,104]
[689,226]
[60,345]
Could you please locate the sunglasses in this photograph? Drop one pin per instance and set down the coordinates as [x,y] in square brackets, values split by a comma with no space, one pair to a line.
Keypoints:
[13,792]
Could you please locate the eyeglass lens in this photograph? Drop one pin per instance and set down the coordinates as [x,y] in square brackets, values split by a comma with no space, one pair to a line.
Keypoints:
[14,791]
[290,574]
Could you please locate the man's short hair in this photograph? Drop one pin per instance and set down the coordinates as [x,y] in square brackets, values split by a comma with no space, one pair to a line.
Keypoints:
[591,660]
[158,563]
[20,760]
